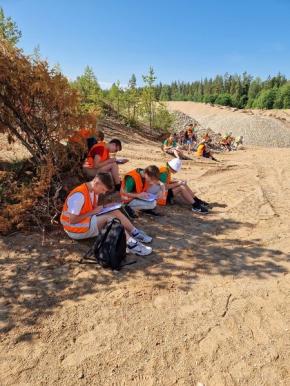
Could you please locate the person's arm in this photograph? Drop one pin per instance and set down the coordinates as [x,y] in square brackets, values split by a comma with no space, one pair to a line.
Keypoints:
[166,146]
[75,204]
[75,218]
[98,163]
[130,187]
[171,185]
[175,184]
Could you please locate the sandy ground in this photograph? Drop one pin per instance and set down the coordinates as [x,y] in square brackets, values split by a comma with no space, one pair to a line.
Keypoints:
[268,128]
[210,306]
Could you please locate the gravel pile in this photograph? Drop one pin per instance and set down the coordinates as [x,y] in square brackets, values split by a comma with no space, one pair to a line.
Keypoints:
[258,129]
[181,121]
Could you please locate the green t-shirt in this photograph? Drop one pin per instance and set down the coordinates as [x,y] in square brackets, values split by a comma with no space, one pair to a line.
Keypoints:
[173,144]
[163,177]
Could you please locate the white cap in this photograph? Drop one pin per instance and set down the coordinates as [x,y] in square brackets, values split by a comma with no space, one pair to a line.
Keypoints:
[175,164]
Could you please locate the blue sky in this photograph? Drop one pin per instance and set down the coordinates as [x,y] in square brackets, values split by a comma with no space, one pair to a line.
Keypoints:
[181,39]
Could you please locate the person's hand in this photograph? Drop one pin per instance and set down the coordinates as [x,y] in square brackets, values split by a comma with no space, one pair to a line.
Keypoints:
[97,209]
[112,160]
[143,195]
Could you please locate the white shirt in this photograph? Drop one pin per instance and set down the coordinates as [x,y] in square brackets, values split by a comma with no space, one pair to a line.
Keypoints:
[76,201]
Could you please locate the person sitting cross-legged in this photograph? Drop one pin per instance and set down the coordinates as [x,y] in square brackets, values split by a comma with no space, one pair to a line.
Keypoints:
[80,217]
[178,189]
[98,160]
[137,186]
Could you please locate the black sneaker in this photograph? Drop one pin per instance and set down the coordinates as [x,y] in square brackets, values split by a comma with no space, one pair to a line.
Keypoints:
[203,203]
[151,212]
[129,211]
[198,208]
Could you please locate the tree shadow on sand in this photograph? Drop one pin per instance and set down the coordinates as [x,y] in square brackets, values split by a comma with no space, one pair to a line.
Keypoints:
[38,273]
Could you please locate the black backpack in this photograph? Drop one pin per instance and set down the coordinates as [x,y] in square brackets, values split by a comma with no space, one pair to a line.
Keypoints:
[109,248]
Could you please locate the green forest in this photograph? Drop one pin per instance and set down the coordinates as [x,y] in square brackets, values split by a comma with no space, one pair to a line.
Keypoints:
[241,91]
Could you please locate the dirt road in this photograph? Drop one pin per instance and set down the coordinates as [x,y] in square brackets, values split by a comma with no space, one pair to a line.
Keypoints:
[210,306]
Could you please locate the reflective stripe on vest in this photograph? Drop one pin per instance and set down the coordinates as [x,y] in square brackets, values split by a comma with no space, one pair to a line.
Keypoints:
[139,185]
[84,225]
[89,161]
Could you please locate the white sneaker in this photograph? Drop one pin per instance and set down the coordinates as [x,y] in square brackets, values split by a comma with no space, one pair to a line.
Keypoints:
[141,236]
[139,249]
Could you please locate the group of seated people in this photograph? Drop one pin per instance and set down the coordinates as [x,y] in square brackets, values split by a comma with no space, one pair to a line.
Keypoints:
[140,190]
[229,142]
[176,143]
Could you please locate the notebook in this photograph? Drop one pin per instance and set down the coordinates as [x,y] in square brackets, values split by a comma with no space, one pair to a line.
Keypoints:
[109,208]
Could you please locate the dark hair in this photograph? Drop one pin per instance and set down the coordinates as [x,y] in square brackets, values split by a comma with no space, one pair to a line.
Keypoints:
[100,135]
[117,142]
[106,179]
[152,171]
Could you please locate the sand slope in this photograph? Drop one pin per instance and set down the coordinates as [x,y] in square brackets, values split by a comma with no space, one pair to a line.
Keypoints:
[211,305]
[259,128]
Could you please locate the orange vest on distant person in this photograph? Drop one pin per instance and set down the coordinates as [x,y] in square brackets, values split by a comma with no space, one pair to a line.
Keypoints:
[200,150]
[89,161]
[80,135]
[84,225]
[139,185]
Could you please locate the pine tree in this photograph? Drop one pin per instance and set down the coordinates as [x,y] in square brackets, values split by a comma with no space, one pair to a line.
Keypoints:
[148,95]
[8,29]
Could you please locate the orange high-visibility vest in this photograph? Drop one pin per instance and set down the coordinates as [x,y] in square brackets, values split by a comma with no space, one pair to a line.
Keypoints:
[80,135]
[139,185]
[200,150]
[84,225]
[89,162]
[162,200]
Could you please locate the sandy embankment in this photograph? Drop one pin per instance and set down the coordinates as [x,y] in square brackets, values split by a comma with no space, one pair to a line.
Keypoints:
[211,305]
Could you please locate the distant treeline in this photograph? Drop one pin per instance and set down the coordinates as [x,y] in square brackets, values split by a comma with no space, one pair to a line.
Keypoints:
[241,91]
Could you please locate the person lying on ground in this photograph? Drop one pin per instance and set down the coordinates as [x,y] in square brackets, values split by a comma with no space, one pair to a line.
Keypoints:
[80,217]
[178,189]
[138,185]
[170,147]
[203,150]
[98,160]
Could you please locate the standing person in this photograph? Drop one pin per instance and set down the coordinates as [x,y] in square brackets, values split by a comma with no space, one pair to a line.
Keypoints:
[98,160]
[80,217]
[137,186]
[179,189]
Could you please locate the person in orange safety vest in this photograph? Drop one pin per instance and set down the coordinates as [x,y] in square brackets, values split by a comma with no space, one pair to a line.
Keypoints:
[80,218]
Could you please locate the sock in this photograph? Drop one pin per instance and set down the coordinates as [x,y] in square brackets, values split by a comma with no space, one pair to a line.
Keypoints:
[134,232]
[117,187]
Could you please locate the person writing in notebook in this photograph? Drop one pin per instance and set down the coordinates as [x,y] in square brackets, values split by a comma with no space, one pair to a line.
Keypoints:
[80,218]
[98,160]
[141,188]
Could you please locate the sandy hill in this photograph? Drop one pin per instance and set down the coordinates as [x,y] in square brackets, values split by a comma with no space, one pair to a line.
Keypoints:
[210,306]
[259,128]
